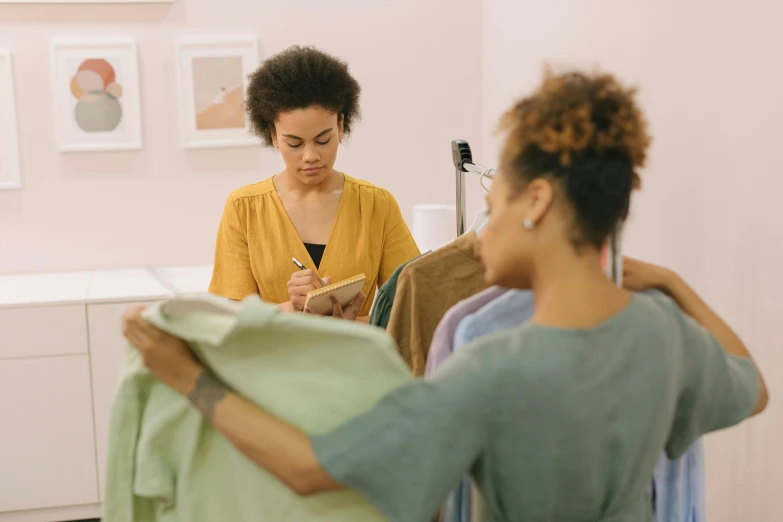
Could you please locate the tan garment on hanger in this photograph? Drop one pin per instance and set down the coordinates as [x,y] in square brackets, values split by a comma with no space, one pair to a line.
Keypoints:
[426,289]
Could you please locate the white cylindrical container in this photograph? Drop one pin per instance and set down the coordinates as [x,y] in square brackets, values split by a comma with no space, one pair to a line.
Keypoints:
[434,225]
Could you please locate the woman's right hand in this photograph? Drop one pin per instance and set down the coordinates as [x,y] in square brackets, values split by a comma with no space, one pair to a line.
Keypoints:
[301,282]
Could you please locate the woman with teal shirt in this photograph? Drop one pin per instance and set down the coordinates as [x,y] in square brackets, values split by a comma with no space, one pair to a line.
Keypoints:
[562,418]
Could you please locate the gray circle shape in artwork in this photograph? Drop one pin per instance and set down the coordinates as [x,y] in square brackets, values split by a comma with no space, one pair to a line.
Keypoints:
[100,112]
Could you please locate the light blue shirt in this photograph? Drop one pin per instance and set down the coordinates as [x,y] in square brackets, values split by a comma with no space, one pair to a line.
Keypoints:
[507,311]
[677,486]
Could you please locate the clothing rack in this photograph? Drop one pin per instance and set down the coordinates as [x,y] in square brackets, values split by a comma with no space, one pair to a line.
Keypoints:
[463,162]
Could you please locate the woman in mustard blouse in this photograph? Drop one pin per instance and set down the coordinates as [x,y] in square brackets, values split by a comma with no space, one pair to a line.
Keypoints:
[303,102]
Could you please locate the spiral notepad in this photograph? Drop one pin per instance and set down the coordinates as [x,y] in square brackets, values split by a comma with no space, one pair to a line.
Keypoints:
[319,301]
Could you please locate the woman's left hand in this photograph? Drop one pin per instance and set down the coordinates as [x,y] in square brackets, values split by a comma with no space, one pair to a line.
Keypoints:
[639,276]
[167,357]
[350,311]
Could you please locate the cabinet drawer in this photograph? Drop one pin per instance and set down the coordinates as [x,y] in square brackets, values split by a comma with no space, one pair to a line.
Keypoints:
[47,444]
[41,331]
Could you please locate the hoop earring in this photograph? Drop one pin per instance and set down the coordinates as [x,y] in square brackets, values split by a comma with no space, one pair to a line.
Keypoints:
[528,223]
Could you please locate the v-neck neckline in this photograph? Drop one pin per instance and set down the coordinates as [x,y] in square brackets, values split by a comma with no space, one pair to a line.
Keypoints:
[290,224]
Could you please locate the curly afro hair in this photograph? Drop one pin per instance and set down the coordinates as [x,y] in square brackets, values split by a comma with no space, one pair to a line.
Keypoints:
[297,78]
[586,132]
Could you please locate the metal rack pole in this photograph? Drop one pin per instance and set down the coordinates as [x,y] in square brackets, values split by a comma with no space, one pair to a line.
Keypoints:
[463,162]
[461,204]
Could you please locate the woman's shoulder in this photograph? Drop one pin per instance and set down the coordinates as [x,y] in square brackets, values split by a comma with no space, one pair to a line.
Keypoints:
[654,305]
[365,187]
[253,191]
[376,197]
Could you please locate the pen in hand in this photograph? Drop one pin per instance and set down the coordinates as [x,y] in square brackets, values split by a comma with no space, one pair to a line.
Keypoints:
[302,267]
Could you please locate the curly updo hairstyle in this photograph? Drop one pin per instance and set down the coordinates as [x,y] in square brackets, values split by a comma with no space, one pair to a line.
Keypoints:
[585,133]
[298,78]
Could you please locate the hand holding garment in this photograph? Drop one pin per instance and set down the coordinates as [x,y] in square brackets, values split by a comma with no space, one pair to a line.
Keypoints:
[167,463]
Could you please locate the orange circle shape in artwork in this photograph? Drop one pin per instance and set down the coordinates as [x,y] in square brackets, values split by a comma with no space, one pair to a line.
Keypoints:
[77,91]
[101,67]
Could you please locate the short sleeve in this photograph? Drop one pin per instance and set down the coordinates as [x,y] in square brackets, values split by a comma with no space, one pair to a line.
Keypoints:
[232,276]
[398,244]
[406,454]
[719,389]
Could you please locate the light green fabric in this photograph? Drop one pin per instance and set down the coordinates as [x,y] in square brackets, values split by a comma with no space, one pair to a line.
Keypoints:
[554,424]
[167,464]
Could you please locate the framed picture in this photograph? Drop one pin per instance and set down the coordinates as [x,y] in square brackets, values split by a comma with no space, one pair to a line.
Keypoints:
[10,172]
[212,81]
[95,84]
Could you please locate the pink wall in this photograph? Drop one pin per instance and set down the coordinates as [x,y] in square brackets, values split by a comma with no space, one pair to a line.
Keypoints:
[711,82]
[419,63]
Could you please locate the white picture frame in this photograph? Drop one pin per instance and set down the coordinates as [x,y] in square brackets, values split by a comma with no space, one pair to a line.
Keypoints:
[96,94]
[10,170]
[212,80]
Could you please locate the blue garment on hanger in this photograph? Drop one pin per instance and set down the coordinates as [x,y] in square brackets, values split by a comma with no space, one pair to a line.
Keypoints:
[677,486]
[507,311]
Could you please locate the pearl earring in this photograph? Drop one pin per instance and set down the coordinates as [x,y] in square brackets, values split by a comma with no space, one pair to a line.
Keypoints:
[528,223]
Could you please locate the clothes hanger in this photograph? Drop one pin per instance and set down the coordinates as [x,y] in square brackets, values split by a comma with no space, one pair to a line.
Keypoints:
[478,222]
[481,218]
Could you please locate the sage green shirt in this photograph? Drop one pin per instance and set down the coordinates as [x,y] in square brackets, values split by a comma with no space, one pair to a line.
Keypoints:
[166,463]
[553,424]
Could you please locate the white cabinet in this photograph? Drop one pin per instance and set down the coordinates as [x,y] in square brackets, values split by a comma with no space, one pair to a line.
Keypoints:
[61,352]
[47,444]
[47,438]
[111,292]
[44,289]
[185,279]
[42,331]
[125,286]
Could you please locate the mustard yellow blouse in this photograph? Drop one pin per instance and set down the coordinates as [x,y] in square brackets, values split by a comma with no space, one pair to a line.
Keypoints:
[256,241]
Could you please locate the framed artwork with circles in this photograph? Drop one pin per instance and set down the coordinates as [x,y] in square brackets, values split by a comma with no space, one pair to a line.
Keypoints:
[95,85]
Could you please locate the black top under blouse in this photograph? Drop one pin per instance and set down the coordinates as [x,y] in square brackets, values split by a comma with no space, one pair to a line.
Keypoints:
[316,252]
